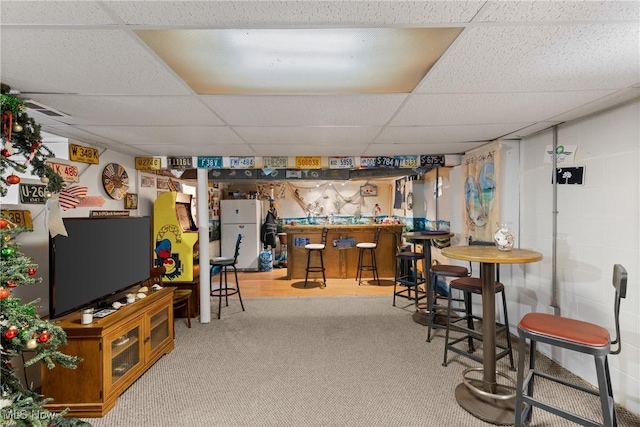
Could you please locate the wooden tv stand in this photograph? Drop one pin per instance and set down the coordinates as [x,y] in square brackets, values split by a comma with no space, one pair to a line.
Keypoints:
[116,351]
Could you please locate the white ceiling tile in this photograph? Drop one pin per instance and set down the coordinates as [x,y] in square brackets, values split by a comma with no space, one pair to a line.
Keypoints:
[280,14]
[329,110]
[131,110]
[444,134]
[412,149]
[172,135]
[83,61]
[201,150]
[54,13]
[544,58]
[530,130]
[308,150]
[308,135]
[488,108]
[566,11]
[600,104]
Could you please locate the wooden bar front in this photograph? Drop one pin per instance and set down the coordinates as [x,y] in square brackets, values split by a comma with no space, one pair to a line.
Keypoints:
[341,263]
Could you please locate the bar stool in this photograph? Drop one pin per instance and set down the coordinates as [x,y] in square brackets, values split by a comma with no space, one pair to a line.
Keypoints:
[406,275]
[575,335]
[224,290]
[443,271]
[469,286]
[369,247]
[319,249]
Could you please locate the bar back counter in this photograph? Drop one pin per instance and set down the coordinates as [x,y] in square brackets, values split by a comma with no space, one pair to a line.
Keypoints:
[341,254]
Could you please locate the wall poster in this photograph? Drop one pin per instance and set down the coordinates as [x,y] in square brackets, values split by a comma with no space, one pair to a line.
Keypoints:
[480,173]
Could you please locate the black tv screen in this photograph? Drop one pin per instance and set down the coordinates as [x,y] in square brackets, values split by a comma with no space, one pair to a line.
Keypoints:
[99,258]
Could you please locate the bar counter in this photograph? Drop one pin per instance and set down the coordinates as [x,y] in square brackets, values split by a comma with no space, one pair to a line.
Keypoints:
[340,260]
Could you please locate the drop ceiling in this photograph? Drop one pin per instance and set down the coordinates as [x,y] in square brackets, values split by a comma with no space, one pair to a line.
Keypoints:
[507,69]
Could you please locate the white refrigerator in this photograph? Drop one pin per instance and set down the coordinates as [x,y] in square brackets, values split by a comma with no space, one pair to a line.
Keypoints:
[241,217]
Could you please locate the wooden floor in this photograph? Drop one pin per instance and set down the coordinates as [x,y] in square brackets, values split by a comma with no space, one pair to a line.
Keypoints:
[273,284]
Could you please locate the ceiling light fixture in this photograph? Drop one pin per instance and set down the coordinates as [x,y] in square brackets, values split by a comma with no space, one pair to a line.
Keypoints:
[313,61]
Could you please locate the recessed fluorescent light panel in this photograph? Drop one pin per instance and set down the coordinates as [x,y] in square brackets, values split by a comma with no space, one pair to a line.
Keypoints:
[301,61]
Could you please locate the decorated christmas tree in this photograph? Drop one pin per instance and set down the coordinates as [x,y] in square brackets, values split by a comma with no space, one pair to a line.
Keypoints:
[22,331]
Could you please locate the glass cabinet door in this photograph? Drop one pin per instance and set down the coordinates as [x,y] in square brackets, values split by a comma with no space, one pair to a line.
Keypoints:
[124,352]
[159,328]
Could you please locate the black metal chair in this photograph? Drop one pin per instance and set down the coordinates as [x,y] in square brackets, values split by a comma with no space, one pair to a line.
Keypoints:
[318,248]
[224,290]
[575,335]
[369,247]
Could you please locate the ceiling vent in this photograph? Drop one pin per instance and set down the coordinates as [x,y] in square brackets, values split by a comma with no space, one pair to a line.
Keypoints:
[43,109]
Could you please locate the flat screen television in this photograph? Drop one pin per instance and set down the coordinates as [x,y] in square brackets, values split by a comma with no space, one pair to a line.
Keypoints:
[100,258]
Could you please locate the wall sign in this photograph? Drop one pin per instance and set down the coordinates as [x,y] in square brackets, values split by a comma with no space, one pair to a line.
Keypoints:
[408,161]
[570,175]
[367,162]
[432,161]
[274,162]
[33,194]
[69,173]
[82,154]
[342,162]
[108,214]
[210,162]
[369,190]
[148,163]
[180,162]
[21,218]
[242,162]
[387,162]
[308,162]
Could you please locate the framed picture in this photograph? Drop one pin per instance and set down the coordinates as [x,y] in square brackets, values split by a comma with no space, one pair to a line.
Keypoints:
[131,201]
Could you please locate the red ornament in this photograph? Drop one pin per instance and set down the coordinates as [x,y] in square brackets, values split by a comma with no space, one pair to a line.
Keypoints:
[10,284]
[6,153]
[11,333]
[31,271]
[13,179]
[44,337]
[4,293]
[3,223]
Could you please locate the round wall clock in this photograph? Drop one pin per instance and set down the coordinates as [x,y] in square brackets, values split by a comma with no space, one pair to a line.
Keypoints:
[115,181]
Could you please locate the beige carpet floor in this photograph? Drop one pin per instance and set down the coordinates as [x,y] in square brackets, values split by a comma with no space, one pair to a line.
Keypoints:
[322,361]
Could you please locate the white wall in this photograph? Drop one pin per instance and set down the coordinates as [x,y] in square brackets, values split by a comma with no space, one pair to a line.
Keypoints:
[598,225]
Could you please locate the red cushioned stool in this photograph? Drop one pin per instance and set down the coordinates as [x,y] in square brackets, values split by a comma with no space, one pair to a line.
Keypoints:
[576,335]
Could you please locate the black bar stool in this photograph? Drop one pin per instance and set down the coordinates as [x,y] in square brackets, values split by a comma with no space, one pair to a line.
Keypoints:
[406,275]
[369,247]
[319,249]
[224,290]
[575,335]
[469,286]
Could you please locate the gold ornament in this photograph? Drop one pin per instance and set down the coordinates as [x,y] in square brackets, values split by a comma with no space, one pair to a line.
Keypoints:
[17,127]
[44,179]
[48,195]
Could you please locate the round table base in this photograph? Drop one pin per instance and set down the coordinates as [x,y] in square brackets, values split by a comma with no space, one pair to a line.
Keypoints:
[421,315]
[499,412]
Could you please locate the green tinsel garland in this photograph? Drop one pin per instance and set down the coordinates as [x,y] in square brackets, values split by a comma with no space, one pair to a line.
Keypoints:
[26,143]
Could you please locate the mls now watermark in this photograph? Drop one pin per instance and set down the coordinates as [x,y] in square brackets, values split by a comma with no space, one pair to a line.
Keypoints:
[25,414]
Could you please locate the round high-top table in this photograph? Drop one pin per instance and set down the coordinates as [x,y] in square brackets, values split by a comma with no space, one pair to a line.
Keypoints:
[421,315]
[486,399]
